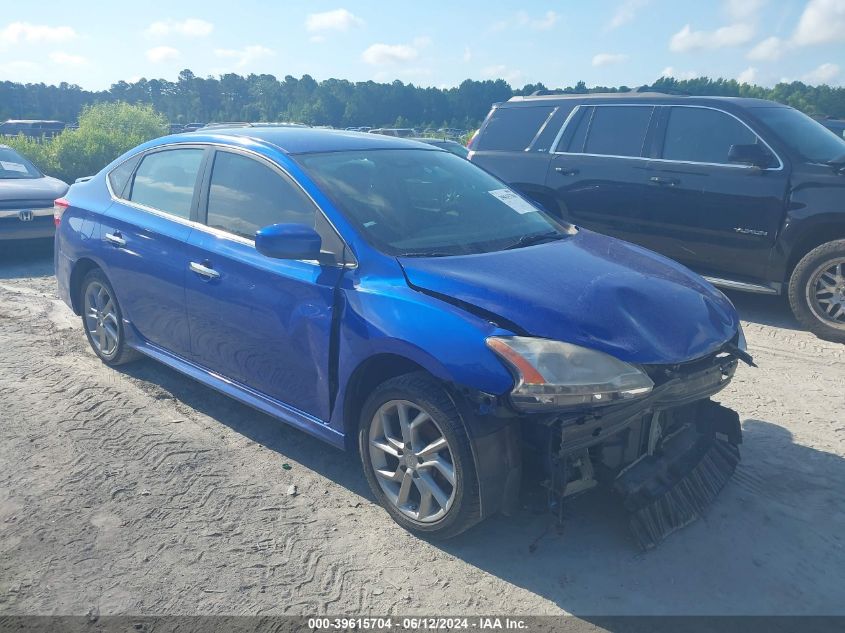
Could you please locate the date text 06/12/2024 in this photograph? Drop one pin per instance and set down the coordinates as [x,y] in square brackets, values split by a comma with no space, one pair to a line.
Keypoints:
[416,623]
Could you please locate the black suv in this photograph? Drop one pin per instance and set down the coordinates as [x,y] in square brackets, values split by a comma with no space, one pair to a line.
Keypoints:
[747,192]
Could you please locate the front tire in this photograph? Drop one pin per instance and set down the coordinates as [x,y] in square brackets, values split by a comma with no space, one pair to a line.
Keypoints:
[416,456]
[102,320]
[817,291]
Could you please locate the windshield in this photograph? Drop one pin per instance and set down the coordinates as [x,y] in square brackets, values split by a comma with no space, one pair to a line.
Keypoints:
[806,136]
[428,203]
[13,165]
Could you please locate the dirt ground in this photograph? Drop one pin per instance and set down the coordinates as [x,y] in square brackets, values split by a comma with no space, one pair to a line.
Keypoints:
[139,491]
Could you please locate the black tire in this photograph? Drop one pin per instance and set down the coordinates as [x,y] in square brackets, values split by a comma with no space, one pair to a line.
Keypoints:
[425,392]
[121,352]
[802,286]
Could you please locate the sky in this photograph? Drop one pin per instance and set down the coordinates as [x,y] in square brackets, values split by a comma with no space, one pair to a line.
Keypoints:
[426,42]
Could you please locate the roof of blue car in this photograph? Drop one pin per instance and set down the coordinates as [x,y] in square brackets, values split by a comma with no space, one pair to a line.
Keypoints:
[301,140]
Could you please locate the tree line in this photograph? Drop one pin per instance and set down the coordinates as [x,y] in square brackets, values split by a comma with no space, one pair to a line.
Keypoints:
[342,103]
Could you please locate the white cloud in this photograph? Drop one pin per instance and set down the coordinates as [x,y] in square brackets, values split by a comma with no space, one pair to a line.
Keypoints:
[500,71]
[381,54]
[625,13]
[747,76]
[824,74]
[540,24]
[670,71]
[769,50]
[739,10]
[25,32]
[161,54]
[336,20]
[245,56]
[687,40]
[821,22]
[607,59]
[523,19]
[66,59]
[191,27]
[467,54]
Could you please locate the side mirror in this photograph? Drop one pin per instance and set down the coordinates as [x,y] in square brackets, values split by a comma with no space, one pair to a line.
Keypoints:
[288,241]
[752,154]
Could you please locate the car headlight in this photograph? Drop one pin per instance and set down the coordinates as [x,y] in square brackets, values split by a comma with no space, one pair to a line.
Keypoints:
[557,375]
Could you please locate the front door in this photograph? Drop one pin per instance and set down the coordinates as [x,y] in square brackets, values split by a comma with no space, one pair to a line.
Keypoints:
[712,215]
[263,322]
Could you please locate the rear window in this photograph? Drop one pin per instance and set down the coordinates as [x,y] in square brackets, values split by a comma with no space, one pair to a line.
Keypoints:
[513,129]
[618,130]
[165,181]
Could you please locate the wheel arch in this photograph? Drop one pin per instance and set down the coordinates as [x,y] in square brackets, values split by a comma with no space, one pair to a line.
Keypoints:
[813,237]
[82,267]
[368,375]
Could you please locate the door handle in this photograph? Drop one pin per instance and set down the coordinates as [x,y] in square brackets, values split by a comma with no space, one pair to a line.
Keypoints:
[204,271]
[566,171]
[115,238]
[661,180]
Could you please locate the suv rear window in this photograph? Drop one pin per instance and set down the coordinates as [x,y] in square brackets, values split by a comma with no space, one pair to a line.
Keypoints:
[513,129]
[618,130]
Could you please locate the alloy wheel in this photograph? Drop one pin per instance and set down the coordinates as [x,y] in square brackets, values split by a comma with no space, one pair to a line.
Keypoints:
[412,461]
[101,319]
[826,293]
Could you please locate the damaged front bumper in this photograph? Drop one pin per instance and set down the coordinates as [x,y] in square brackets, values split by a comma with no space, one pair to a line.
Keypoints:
[666,455]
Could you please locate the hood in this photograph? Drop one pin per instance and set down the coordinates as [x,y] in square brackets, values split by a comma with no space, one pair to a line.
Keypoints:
[36,189]
[589,290]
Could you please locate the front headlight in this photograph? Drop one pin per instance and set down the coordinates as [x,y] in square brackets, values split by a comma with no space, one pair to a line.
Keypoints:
[556,375]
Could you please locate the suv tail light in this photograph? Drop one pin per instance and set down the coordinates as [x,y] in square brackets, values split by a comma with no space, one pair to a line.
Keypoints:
[59,207]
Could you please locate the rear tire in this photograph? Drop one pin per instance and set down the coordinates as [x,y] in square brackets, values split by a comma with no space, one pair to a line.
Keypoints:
[417,458]
[817,291]
[102,320]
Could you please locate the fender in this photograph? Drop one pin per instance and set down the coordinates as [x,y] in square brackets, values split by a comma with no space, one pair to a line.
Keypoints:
[815,214]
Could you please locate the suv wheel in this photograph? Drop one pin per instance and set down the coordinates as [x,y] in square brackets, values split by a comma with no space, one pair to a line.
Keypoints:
[416,456]
[817,291]
[103,320]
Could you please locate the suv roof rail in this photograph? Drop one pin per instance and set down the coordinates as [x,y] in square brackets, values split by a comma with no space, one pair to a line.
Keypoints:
[665,91]
[544,93]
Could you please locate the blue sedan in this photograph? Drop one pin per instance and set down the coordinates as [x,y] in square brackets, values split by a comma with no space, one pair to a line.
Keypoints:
[391,298]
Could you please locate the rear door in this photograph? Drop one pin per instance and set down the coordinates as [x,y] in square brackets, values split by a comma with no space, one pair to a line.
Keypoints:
[598,171]
[145,235]
[265,323]
[712,215]
[514,145]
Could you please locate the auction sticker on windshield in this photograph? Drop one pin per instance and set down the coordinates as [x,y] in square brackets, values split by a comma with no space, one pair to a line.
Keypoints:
[512,200]
[9,166]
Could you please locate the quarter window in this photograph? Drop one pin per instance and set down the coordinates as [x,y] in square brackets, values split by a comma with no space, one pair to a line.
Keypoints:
[119,176]
[702,135]
[165,181]
[512,129]
[618,130]
[246,196]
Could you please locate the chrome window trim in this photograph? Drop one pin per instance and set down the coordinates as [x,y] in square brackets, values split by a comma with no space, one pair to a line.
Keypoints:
[563,127]
[220,233]
[780,166]
[542,129]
